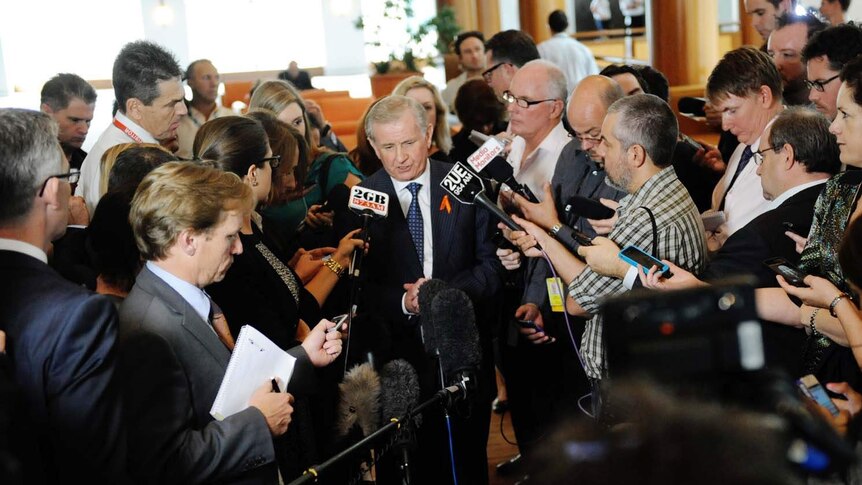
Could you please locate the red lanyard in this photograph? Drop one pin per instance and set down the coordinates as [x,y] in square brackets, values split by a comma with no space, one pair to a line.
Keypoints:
[131,134]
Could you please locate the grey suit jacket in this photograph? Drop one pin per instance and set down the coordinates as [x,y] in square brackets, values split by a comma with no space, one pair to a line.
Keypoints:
[171,366]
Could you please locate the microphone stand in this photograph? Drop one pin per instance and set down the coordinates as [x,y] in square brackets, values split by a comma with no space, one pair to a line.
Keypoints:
[355,284]
[444,396]
[447,417]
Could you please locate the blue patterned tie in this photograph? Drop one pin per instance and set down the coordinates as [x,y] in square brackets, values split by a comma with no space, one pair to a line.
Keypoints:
[414,220]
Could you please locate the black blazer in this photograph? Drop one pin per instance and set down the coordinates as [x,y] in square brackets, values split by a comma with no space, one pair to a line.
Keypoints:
[763,238]
[60,343]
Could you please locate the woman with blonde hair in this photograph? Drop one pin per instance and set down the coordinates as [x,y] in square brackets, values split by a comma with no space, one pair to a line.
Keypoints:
[325,171]
[428,96]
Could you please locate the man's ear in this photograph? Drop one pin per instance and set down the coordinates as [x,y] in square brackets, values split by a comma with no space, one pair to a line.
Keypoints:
[51,194]
[557,110]
[789,156]
[374,147]
[46,108]
[429,135]
[188,242]
[764,96]
[636,155]
[134,109]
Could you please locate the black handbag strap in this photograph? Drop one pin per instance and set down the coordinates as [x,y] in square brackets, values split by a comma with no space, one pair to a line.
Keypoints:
[654,231]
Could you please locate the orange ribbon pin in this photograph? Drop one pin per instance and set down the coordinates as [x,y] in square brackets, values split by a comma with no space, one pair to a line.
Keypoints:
[445,205]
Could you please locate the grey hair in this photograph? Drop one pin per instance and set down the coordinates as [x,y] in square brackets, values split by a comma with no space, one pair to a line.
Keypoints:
[390,109]
[29,154]
[556,86]
[807,131]
[646,120]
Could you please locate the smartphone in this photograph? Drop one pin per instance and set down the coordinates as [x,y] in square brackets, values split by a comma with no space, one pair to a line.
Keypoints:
[788,226]
[589,208]
[636,256]
[810,386]
[501,242]
[791,273]
[337,321]
[531,324]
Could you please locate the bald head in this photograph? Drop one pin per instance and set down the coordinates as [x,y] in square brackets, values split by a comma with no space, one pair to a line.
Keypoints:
[543,84]
[588,107]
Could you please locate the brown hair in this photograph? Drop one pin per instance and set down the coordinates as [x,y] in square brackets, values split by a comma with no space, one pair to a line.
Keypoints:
[183,195]
[741,72]
[289,143]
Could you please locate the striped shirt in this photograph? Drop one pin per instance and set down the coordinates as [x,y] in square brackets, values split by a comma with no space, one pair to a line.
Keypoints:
[680,240]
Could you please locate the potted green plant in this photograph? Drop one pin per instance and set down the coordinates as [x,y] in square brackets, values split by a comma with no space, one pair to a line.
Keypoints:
[400,49]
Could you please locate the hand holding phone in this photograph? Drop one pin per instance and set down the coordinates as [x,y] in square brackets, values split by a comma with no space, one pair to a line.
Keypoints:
[531,324]
[811,388]
[636,256]
[337,321]
[793,275]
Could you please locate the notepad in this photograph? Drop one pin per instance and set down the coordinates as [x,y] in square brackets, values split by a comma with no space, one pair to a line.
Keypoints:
[255,360]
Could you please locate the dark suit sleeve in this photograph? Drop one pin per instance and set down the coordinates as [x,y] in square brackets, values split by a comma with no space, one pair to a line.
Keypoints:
[84,406]
[484,278]
[742,254]
[170,446]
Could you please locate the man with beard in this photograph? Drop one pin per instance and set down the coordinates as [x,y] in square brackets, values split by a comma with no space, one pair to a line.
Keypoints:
[785,47]
[70,101]
[149,93]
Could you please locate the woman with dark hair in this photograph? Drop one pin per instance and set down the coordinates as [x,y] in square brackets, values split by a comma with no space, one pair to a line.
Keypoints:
[478,109]
[260,289]
[827,354]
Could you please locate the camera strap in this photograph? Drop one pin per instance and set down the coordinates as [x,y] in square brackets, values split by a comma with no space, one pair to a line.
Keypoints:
[654,231]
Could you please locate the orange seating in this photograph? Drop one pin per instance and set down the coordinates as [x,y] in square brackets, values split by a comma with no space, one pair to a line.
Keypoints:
[235,91]
[316,94]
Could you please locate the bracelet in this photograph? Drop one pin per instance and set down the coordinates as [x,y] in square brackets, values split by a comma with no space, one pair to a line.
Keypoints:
[835,303]
[811,320]
[335,267]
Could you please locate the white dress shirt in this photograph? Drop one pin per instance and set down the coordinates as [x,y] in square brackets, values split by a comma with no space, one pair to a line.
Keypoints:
[22,247]
[573,58]
[91,168]
[536,168]
[744,201]
[193,295]
[404,199]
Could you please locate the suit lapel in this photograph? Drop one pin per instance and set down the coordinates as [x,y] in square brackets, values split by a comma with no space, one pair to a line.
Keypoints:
[444,213]
[190,320]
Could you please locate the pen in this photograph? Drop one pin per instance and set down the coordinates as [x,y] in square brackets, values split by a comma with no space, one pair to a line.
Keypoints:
[275,385]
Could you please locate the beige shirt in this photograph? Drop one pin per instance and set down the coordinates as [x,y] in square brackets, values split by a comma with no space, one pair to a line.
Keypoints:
[189,126]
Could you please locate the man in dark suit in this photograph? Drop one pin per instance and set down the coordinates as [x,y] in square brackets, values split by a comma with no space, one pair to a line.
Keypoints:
[427,234]
[186,220]
[60,336]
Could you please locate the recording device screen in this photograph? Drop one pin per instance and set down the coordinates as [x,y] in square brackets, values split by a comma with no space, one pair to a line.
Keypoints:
[635,256]
[791,273]
[810,386]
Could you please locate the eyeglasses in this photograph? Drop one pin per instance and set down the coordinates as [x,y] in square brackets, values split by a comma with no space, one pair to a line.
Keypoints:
[587,137]
[758,155]
[820,85]
[274,161]
[487,74]
[523,103]
[73,177]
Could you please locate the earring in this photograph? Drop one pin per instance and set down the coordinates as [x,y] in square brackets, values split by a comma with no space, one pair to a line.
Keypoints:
[254,183]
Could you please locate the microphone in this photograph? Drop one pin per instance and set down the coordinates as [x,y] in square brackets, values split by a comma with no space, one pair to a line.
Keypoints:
[467,188]
[487,160]
[400,395]
[427,292]
[457,338]
[359,403]
[368,204]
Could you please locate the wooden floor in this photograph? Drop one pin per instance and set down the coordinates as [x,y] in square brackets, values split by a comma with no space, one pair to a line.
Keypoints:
[498,449]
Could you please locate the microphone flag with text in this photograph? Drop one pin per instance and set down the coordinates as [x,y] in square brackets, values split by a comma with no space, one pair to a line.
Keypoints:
[467,188]
[487,161]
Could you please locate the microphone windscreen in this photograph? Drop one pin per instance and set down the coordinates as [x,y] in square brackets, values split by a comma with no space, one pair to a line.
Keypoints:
[429,290]
[337,198]
[499,170]
[455,326]
[360,400]
[399,390]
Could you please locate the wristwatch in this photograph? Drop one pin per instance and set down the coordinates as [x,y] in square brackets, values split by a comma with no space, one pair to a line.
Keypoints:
[554,230]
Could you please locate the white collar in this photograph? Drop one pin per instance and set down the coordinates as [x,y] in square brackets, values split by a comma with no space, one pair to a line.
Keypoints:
[22,247]
[146,137]
[193,295]
[791,192]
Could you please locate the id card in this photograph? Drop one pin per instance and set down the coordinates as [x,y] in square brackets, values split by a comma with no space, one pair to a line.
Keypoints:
[555,295]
